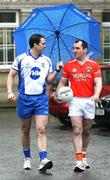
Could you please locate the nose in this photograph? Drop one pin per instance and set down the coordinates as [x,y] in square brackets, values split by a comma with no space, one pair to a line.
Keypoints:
[74,50]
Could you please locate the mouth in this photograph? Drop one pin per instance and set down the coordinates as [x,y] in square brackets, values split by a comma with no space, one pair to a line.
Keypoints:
[76,54]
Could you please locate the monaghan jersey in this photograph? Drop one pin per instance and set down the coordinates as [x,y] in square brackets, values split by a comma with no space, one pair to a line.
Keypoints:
[32,73]
[81,76]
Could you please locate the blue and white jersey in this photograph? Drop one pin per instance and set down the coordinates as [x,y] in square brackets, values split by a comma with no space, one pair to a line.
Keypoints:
[32,73]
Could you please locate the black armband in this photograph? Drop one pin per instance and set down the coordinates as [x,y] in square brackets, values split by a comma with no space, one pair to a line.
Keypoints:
[57,70]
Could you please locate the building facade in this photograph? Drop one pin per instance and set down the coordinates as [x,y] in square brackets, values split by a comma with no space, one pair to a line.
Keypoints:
[14,12]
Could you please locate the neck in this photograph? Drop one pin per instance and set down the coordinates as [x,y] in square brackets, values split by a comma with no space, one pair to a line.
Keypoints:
[83,58]
[34,53]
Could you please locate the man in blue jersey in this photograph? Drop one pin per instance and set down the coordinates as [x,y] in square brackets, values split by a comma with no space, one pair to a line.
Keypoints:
[34,70]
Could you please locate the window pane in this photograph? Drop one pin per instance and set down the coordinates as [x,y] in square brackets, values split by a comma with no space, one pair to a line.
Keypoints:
[10,56]
[106,76]
[106,17]
[1,37]
[10,37]
[6,17]
[106,36]
[1,56]
[106,43]
[106,52]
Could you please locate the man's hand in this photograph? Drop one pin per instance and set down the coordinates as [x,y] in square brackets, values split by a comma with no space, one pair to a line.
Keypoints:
[57,100]
[95,98]
[59,65]
[11,97]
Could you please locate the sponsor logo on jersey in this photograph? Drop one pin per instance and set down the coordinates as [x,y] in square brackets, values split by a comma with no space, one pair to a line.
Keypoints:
[74,70]
[89,69]
[81,75]
[35,73]
[28,66]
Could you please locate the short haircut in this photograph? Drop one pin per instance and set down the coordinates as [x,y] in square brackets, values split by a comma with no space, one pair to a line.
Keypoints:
[35,38]
[84,43]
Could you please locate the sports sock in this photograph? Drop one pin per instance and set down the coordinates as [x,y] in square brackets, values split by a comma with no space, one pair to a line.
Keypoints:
[84,154]
[42,155]
[26,152]
[79,156]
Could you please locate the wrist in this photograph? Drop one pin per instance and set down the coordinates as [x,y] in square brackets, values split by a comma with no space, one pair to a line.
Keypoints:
[9,92]
[57,70]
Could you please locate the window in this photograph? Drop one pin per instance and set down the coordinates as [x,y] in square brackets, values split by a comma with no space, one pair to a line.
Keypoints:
[8,24]
[7,53]
[106,36]
[106,76]
[7,17]
[106,17]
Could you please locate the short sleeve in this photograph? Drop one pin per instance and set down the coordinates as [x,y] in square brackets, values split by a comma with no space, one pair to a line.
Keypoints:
[15,64]
[97,71]
[65,73]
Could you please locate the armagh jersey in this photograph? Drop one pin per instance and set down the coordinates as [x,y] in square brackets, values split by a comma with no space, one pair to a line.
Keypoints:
[81,76]
[32,73]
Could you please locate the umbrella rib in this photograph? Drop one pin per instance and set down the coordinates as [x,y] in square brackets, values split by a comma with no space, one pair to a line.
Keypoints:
[88,43]
[50,36]
[65,46]
[52,47]
[77,25]
[34,28]
[47,18]
[64,15]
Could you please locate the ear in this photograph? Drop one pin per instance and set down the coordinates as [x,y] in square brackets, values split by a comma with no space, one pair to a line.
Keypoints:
[85,50]
[35,44]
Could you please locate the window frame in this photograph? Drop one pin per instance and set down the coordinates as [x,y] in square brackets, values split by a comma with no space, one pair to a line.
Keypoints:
[9,25]
[105,25]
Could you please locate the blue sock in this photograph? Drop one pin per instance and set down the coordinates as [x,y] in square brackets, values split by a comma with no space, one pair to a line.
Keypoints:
[42,155]
[26,152]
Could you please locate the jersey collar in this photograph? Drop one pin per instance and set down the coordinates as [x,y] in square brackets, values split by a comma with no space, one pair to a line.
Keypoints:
[29,54]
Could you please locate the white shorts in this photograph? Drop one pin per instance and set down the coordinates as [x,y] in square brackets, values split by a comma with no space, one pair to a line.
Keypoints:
[82,107]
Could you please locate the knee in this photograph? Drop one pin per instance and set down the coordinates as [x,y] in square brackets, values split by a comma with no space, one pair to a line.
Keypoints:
[25,129]
[77,131]
[86,132]
[41,130]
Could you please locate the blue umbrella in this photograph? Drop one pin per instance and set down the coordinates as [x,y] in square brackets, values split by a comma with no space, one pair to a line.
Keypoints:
[61,26]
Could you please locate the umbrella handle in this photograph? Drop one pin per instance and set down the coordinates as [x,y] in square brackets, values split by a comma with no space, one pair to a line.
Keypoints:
[60,66]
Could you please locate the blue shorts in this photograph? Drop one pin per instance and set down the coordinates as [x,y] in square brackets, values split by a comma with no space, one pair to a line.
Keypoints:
[29,105]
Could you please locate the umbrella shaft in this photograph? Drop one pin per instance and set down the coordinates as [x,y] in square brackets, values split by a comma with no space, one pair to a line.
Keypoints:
[58,48]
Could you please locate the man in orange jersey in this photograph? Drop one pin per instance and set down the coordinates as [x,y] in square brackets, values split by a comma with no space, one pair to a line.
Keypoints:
[85,80]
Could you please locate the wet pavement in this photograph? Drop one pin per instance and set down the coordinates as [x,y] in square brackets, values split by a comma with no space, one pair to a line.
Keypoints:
[60,151]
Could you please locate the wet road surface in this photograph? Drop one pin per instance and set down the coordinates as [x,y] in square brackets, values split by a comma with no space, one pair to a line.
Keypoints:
[60,151]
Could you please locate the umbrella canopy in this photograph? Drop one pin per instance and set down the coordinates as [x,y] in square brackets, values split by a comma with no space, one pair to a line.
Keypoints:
[61,26]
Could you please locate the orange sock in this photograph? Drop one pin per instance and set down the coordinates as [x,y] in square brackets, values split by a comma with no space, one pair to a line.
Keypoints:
[84,154]
[79,156]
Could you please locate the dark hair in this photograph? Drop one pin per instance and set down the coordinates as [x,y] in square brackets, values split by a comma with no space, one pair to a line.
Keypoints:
[84,43]
[35,38]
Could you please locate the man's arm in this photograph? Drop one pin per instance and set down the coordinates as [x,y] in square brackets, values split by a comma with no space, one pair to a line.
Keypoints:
[51,76]
[62,82]
[10,80]
[97,89]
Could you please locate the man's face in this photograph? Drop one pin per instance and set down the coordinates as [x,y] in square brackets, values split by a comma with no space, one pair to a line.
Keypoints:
[79,51]
[41,46]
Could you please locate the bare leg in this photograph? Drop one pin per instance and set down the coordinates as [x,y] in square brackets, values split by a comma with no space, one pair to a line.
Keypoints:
[77,133]
[25,132]
[41,123]
[77,142]
[87,124]
[25,138]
